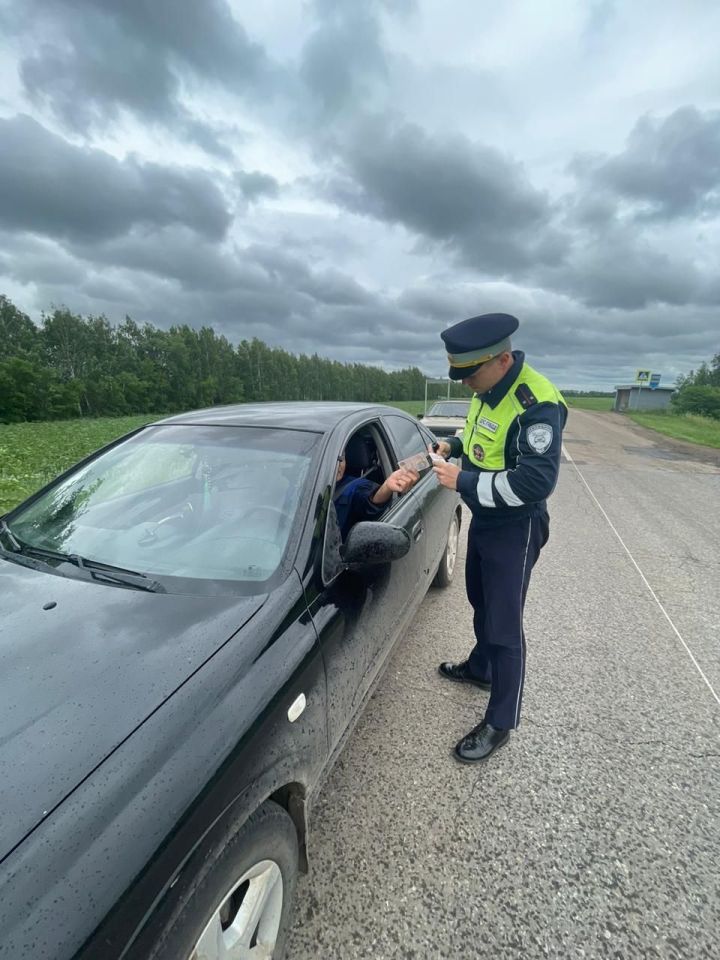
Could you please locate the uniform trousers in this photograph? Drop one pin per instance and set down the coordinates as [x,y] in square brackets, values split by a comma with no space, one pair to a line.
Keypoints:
[497,574]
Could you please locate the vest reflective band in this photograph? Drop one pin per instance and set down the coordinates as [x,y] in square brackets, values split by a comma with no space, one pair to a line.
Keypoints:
[486,427]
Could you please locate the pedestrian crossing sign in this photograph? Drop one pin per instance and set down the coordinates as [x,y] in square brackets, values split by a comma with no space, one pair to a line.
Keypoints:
[643,376]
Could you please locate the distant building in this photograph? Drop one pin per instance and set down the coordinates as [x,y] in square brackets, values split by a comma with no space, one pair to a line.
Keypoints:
[634,397]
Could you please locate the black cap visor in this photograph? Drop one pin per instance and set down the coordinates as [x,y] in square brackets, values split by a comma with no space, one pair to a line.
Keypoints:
[459,373]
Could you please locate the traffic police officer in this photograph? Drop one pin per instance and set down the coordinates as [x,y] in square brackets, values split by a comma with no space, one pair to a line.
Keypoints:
[510,452]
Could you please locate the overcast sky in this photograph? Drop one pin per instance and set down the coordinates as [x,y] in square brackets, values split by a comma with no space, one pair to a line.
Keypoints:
[352,176]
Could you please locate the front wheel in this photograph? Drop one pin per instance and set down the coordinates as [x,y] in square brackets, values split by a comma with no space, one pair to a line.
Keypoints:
[233,899]
[446,569]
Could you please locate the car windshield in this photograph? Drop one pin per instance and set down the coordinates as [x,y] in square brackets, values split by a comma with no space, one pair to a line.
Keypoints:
[450,408]
[177,501]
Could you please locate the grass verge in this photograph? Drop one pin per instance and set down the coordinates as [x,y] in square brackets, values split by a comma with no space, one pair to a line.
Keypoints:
[688,427]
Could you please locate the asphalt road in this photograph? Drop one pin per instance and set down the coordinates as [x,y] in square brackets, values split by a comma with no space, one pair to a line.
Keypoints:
[596,831]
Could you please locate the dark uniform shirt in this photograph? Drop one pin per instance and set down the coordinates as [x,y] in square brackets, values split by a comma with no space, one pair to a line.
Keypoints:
[352,502]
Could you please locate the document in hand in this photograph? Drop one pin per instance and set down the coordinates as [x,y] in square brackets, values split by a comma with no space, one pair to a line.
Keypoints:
[417,462]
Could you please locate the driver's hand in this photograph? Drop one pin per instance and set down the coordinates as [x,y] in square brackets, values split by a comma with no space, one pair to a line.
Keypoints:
[401,480]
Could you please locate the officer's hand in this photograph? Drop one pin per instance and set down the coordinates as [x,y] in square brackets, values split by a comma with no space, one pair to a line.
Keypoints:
[447,474]
[401,480]
[443,448]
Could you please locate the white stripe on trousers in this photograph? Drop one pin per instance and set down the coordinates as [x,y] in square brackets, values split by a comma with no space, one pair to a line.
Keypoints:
[522,644]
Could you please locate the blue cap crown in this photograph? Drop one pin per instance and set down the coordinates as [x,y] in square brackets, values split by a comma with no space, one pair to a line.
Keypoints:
[473,342]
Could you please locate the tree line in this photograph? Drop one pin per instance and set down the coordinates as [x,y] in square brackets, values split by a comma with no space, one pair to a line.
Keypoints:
[699,391]
[75,366]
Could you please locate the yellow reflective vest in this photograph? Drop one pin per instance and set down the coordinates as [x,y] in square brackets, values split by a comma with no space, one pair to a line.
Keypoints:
[486,428]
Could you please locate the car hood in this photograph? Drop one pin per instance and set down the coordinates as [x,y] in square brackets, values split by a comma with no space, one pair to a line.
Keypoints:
[77,679]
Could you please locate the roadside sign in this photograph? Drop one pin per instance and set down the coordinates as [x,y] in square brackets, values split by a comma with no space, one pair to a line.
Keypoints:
[655,381]
[643,376]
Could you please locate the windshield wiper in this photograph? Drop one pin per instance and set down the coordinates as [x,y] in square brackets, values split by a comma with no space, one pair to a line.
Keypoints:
[139,581]
[108,573]
[42,553]
[112,574]
[104,572]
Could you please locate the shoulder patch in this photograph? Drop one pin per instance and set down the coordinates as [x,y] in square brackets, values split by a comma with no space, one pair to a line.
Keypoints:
[525,395]
[540,437]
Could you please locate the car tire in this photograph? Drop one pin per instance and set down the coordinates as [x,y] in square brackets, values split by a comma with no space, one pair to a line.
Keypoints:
[448,562]
[237,888]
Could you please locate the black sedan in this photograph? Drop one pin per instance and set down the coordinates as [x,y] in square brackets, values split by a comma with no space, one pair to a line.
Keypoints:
[185,641]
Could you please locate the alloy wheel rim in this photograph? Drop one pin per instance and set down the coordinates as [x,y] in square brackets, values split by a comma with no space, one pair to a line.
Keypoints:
[452,547]
[246,922]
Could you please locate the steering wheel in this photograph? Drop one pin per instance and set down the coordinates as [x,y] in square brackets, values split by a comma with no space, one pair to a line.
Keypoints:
[272,512]
[149,535]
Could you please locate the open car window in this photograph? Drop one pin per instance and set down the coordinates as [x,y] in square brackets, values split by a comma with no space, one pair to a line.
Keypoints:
[179,503]
[367,457]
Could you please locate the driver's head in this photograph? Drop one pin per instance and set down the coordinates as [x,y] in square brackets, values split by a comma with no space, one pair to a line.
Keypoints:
[340,467]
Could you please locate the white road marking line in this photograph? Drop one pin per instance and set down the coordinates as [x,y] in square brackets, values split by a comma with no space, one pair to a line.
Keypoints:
[644,578]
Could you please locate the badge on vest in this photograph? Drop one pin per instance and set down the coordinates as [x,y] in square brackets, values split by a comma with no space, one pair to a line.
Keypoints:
[488,424]
[478,452]
[540,437]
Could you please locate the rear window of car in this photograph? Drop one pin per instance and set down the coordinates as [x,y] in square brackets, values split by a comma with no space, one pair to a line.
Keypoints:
[449,409]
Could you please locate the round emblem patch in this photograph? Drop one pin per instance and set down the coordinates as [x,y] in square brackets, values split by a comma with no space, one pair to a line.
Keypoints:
[478,452]
[539,437]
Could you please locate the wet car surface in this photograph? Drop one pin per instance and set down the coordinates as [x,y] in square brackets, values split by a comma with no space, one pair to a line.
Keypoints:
[185,644]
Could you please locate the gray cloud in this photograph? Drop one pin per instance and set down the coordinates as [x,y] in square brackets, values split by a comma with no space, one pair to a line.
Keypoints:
[622,270]
[49,186]
[670,167]
[599,18]
[467,196]
[343,60]
[99,57]
[254,184]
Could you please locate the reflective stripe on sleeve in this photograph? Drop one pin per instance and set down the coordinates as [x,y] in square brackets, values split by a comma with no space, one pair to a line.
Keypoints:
[502,485]
[484,490]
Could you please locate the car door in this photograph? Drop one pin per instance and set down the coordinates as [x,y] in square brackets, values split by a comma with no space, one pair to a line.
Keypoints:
[359,613]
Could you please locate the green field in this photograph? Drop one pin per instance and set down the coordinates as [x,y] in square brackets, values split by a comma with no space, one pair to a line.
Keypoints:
[412,407]
[591,403]
[686,427]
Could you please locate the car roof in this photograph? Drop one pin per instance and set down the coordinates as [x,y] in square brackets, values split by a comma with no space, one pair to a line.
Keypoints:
[306,415]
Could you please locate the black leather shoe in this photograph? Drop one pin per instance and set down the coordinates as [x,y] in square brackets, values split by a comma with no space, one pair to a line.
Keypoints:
[482,741]
[460,673]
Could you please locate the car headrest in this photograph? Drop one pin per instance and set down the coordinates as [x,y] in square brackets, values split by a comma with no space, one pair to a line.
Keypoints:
[358,456]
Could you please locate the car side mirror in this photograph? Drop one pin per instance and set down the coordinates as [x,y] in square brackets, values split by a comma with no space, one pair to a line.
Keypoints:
[369,543]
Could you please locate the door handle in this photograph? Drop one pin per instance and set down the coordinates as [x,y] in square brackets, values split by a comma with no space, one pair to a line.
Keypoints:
[417,530]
